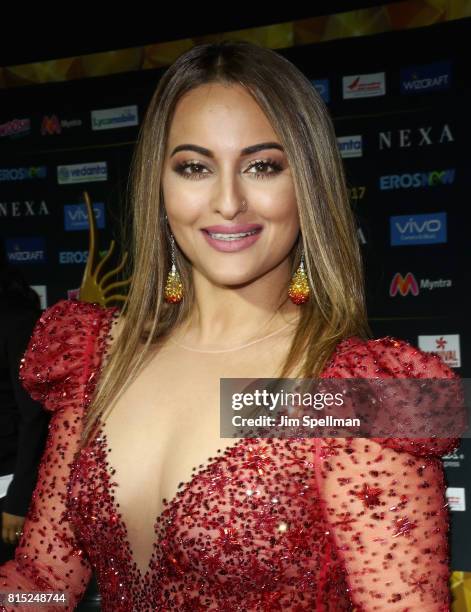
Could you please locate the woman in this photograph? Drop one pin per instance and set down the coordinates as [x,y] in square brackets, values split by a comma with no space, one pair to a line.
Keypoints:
[136,483]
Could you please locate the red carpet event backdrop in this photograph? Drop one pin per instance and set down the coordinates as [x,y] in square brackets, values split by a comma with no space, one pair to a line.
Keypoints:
[397,85]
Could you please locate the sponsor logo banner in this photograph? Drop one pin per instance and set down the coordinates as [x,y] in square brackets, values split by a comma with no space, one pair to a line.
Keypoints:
[425,78]
[350,146]
[82,173]
[24,251]
[112,118]
[364,85]
[418,229]
[76,217]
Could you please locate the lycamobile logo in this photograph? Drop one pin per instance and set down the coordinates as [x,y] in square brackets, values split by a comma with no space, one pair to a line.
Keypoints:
[111,118]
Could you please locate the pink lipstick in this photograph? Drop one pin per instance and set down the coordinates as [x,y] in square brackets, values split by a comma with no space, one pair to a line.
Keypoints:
[232,238]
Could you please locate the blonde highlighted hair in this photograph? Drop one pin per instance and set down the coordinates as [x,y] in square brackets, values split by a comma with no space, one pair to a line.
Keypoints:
[328,233]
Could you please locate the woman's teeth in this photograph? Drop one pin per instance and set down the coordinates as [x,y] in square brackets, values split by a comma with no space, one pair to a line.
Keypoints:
[229,237]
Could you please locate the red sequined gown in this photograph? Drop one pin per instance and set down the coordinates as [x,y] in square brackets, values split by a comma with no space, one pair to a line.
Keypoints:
[270,524]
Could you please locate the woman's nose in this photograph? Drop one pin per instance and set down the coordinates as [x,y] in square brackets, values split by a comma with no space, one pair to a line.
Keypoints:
[228,198]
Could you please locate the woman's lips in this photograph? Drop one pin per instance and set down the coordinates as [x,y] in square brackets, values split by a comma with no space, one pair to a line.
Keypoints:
[234,228]
[231,246]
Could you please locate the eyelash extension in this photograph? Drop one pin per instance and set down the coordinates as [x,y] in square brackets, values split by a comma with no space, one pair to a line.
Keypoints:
[180,169]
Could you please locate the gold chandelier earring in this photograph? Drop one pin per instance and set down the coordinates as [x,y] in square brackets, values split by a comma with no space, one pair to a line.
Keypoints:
[173,287]
[299,286]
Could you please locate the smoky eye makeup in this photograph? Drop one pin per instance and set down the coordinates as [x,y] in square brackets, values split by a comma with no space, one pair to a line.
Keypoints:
[258,168]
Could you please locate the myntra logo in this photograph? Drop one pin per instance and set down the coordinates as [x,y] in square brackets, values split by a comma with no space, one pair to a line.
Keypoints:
[404,284]
[50,125]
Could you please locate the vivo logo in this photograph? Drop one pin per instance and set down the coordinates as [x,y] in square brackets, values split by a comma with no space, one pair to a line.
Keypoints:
[76,217]
[418,229]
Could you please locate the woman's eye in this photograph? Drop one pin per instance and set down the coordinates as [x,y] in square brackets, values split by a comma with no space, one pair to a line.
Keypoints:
[183,168]
[193,170]
[270,163]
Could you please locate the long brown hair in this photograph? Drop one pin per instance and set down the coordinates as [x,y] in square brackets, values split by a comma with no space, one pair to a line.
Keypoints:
[328,234]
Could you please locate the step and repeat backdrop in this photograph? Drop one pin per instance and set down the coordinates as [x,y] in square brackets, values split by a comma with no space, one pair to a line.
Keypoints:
[400,104]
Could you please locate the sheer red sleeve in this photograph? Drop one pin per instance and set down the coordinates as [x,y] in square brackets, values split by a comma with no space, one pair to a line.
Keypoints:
[54,371]
[384,498]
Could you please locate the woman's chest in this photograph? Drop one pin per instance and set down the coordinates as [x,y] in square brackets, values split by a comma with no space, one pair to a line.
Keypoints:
[168,421]
[249,516]
[157,496]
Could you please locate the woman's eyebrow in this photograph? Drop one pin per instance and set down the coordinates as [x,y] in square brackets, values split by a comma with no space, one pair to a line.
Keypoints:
[208,153]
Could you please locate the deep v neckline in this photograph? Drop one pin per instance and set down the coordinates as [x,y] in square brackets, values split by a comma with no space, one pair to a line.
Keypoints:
[171,503]
[111,471]
[101,437]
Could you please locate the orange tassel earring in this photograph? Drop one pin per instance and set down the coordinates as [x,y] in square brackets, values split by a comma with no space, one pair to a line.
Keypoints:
[173,287]
[299,287]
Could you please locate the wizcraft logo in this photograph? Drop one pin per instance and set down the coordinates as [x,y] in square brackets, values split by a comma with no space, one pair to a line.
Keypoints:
[26,250]
[403,284]
[426,77]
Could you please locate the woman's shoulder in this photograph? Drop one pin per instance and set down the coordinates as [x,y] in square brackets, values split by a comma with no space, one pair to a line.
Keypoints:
[385,357]
[391,357]
[55,365]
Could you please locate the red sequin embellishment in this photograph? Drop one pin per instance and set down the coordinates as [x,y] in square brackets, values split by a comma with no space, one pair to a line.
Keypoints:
[276,524]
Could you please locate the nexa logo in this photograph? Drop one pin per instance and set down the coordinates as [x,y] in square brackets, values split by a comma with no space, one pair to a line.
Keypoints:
[23,208]
[50,125]
[404,284]
[418,137]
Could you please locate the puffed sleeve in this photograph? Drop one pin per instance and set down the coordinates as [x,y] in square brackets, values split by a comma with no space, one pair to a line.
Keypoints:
[384,498]
[54,370]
